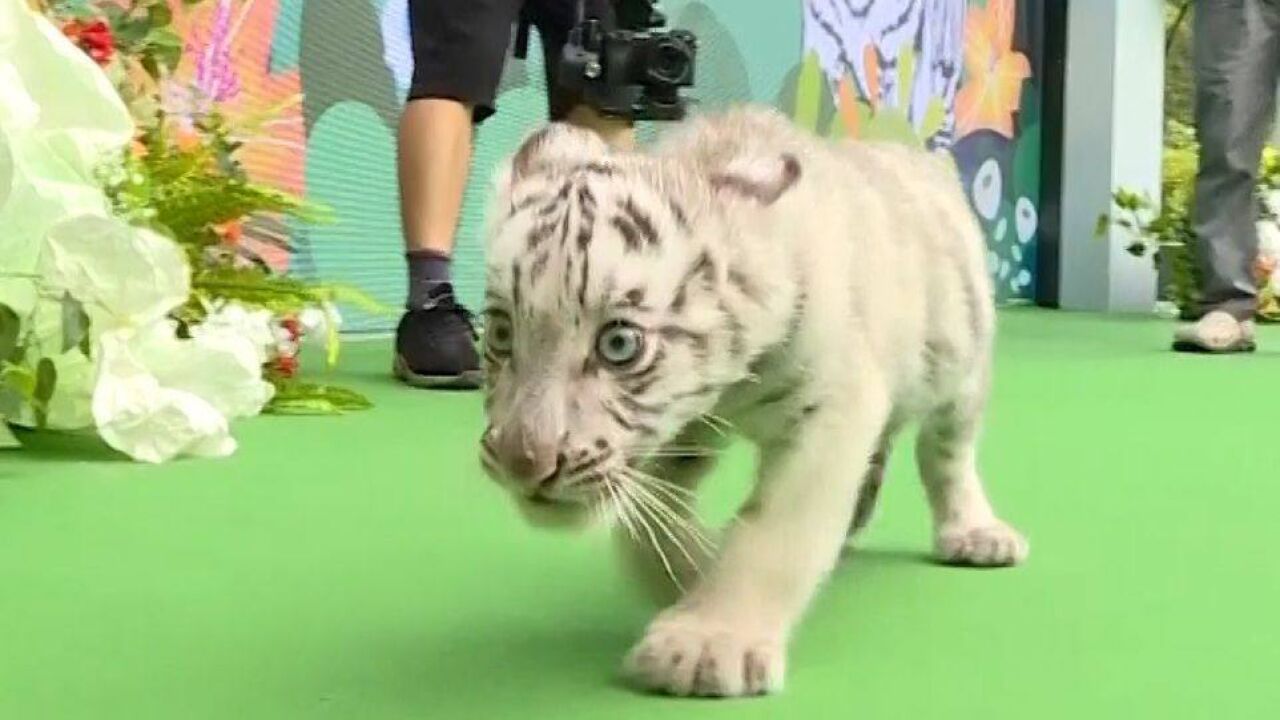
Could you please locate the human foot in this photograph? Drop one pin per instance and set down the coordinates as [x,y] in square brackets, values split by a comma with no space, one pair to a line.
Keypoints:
[435,344]
[1218,333]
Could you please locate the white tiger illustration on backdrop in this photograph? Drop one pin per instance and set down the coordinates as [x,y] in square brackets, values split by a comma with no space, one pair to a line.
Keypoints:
[744,278]
[839,30]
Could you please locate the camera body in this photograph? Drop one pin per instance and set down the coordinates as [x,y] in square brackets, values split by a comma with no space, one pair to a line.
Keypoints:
[635,71]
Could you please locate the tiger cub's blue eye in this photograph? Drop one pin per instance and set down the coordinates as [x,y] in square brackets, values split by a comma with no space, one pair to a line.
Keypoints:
[620,344]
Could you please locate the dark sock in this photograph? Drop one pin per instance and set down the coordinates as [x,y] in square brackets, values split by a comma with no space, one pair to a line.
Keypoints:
[428,275]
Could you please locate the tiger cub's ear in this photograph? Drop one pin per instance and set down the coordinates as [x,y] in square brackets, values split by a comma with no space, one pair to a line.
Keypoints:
[554,145]
[759,179]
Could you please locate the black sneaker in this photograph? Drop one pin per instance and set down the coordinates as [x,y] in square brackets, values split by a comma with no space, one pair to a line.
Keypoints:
[435,345]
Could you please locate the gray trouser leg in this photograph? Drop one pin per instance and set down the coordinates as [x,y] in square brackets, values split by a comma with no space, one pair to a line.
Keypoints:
[1237,56]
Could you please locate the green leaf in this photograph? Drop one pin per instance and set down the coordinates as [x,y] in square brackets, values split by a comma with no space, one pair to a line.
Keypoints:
[354,296]
[20,379]
[10,401]
[129,32]
[10,327]
[77,9]
[46,380]
[150,65]
[115,14]
[7,439]
[1102,225]
[75,323]
[165,46]
[809,88]
[301,398]
[1130,200]
[160,15]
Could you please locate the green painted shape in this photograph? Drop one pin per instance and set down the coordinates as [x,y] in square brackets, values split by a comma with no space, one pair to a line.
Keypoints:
[1026,164]
[1029,105]
[767,31]
[785,100]
[362,246]
[891,124]
[836,130]
[935,114]
[722,75]
[810,85]
[906,76]
[286,40]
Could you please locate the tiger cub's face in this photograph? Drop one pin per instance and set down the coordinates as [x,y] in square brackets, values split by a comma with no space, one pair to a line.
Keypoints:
[604,331]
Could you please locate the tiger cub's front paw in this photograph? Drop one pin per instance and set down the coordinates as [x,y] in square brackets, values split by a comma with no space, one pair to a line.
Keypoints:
[683,654]
[993,544]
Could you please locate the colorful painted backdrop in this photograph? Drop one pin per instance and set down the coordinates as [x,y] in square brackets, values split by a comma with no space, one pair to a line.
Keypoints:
[327,78]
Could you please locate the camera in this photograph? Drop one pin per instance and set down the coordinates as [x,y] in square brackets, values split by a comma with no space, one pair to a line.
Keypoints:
[635,71]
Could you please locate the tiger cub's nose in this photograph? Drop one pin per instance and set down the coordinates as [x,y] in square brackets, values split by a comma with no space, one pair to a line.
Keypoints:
[526,459]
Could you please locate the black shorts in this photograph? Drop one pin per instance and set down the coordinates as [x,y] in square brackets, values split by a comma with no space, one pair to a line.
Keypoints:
[460,46]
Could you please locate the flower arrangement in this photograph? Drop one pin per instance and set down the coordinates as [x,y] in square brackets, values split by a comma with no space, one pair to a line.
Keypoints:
[183,175]
[130,300]
[1165,231]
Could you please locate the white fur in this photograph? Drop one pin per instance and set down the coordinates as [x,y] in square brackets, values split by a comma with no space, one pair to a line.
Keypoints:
[871,309]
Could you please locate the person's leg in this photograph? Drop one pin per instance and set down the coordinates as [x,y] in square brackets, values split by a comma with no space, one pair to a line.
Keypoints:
[1237,49]
[458,56]
[434,156]
[554,19]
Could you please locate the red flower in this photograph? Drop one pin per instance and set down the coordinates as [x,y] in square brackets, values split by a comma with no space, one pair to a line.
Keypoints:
[287,365]
[293,327]
[94,38]
[230,231]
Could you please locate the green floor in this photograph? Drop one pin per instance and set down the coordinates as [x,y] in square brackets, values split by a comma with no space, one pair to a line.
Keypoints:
[360,567]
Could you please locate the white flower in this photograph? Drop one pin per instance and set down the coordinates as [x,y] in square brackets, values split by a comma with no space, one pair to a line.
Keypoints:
[317,321]
[138,416]
[1268,236]
[222,366]
[124,276]
[155,396]
[320,324]
[257,326]
[158,396]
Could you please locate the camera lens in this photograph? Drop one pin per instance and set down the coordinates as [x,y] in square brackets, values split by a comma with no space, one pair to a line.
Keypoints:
[670,62]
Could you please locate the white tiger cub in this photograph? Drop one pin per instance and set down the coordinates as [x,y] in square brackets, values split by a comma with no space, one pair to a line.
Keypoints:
[812,297]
